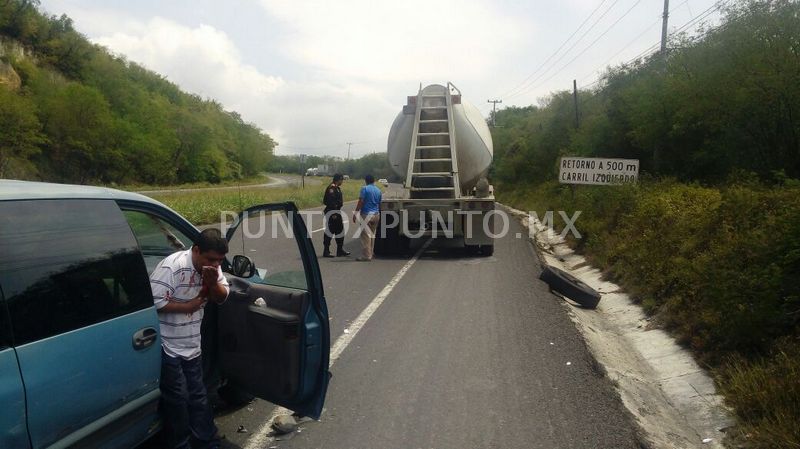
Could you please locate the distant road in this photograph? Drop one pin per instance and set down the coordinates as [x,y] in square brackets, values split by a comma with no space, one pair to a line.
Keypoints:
[275,180]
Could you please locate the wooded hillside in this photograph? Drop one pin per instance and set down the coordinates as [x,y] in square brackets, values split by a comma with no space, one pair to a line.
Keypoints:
[71,111]
[725,101]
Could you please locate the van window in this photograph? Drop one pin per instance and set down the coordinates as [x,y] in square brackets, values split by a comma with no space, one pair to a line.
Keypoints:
[68,264]
[157,239]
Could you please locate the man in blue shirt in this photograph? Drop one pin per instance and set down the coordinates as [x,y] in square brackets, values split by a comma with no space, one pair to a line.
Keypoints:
[367,213]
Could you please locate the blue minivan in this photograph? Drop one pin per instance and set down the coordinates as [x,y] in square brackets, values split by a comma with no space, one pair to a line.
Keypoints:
[79,343]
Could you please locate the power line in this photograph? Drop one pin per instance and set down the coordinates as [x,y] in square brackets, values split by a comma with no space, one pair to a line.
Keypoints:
[526,88]
[557,50]
[654,47]
[635,39]
[713,8]
[328,146]
[587,47]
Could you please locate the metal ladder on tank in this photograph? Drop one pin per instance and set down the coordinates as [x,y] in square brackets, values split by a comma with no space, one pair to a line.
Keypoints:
[433,169]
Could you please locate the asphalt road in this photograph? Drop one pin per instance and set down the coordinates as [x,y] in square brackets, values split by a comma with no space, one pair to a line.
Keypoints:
[275,181]
[464,352]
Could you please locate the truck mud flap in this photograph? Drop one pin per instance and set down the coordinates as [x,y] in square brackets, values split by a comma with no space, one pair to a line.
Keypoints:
[570,287]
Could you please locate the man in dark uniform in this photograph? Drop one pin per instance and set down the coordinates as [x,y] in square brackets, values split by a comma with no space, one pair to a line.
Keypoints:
[334,226]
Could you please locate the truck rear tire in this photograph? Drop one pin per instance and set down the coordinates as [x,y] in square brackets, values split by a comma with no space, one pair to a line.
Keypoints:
[391,244]
[380,245]
[487,250]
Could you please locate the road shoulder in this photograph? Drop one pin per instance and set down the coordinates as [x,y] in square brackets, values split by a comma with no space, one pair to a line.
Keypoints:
[673,399]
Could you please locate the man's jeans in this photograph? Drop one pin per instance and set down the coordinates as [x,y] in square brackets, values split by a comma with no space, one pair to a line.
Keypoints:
[184,403]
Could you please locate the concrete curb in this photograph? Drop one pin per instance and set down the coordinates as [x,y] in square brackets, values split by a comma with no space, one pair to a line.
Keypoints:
[672,398]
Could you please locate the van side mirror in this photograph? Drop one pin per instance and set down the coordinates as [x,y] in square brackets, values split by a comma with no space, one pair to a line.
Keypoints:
[242,267]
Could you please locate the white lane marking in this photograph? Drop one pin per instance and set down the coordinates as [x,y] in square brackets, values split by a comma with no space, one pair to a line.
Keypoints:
[261,438]
[317,230]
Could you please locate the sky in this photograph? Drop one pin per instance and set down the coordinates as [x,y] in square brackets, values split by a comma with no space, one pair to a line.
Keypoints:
[317,74]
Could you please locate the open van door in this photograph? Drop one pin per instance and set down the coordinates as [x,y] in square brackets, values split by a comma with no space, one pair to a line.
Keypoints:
[273,335]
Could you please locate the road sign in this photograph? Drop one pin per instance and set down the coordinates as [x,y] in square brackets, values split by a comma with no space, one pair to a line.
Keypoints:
[600,171]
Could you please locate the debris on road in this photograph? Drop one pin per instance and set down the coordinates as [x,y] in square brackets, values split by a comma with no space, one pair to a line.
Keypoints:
[241,429]
[283,424]
[638,356]
[570,287]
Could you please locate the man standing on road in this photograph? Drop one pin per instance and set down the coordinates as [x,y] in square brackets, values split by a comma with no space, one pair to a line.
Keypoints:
[334,221]
[369,203]
[182,283]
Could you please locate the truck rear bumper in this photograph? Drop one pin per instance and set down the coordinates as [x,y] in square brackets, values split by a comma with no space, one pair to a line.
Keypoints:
[470,218]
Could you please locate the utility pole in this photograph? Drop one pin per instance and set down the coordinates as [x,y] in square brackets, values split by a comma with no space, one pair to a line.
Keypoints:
[494,110]
[665,16]
[575,97]
[348,149]
[303,170]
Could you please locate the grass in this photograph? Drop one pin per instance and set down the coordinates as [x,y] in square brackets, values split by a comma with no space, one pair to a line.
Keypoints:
[766,395]
[717,266]
[248,181]
[204,207]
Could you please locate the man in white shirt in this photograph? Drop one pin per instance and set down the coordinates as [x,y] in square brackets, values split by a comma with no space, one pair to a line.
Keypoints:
[182,283]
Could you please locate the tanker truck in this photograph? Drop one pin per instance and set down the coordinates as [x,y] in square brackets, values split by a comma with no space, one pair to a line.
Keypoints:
[441,147]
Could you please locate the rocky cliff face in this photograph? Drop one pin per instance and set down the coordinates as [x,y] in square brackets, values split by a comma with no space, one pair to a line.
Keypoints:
[9,78]
[12,48]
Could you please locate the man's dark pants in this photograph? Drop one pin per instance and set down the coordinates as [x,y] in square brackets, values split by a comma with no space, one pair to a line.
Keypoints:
[334,227]
[184,403]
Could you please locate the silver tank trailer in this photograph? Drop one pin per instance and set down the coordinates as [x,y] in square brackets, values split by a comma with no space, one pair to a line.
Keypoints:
[473,141]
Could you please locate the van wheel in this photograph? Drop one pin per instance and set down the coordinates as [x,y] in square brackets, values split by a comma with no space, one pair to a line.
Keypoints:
[570,287]
[487,250]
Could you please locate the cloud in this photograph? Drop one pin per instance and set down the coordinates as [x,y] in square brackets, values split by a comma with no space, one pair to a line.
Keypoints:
[314,116]
[397,41]
[316,74]
[202,60]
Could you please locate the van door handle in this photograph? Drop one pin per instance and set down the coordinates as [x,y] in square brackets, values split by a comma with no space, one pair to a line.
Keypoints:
[144,338]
